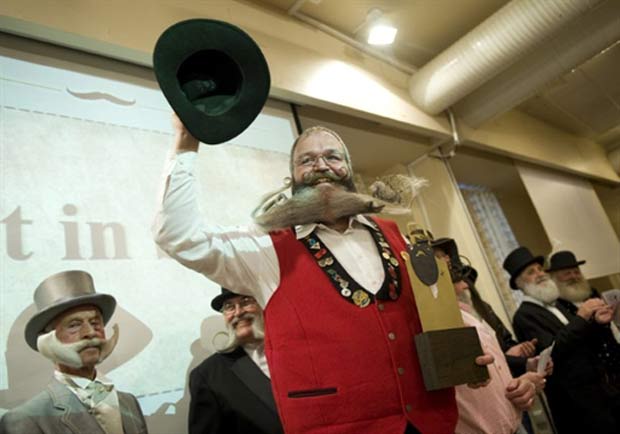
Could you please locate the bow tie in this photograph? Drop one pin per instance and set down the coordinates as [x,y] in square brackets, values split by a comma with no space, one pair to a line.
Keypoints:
[96,391]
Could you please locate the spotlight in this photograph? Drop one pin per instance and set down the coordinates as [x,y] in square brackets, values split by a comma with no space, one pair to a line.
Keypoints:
[382,35]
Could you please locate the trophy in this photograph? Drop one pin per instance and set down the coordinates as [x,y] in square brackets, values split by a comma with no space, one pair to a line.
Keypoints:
[446,348]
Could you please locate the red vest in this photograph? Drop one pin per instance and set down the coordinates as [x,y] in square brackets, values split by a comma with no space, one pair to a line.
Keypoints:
[340,369]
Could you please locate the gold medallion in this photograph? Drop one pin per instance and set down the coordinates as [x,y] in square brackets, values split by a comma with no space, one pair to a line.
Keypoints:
[360,298]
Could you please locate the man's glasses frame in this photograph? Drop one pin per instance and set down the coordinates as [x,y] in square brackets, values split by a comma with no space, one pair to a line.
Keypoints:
[244,302]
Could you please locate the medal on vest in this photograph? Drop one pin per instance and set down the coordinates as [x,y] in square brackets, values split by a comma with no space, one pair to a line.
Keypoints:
[343,282]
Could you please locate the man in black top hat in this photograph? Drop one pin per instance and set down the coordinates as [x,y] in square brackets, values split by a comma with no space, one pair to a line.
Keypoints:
[68,329]
[231,391]
[579,393]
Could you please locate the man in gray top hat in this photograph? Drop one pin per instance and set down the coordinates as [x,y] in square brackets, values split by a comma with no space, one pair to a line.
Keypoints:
[68,329]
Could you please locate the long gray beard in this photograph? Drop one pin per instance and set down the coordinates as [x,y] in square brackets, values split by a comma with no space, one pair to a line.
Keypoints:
[546,291]
[322,203]
[575,291]
[258,330]
[69,354]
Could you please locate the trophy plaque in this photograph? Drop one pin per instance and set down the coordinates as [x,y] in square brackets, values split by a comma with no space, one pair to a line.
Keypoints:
[446,348]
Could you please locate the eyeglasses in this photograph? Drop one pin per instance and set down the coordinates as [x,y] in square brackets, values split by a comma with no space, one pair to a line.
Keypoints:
[244,302]
[331,158]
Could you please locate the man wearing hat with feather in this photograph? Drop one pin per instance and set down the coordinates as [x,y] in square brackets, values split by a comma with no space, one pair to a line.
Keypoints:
[68,329]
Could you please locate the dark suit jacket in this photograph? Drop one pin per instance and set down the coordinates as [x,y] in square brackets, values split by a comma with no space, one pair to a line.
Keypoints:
[579,395]
[57,410]
[230,394]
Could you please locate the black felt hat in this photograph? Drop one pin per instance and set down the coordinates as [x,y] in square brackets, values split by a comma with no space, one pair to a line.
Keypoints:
[563,259]
[213,75]
[517,261]
[219,300]
[448,245]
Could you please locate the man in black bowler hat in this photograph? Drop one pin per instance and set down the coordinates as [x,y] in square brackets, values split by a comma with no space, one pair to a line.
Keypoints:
[565,272]
[581,396]
[231,391]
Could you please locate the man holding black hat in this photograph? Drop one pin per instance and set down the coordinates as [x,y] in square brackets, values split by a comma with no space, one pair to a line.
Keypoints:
[579,392]
[340,315]
[231,391]
[68,329]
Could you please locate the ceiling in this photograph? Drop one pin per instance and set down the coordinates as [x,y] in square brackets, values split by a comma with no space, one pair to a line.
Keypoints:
[584,101]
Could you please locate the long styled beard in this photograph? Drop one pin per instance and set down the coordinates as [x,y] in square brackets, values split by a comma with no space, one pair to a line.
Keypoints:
[545,291]
[69,354]
[575,290]
[322,203]
[258,331]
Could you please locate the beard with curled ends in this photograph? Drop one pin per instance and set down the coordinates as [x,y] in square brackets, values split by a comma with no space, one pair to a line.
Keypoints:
[321,203]
[69,354]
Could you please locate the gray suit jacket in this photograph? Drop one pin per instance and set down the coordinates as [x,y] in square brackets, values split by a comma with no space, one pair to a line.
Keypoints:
[57,410]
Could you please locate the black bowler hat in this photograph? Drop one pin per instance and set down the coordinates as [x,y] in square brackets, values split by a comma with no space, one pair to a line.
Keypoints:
[219,300]
[448,245]
[517,261]
[213,75]
[563,259]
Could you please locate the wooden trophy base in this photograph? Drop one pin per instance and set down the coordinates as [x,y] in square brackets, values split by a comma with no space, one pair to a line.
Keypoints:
[447,357]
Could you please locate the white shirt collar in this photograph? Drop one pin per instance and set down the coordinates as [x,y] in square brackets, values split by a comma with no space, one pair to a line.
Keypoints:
[81,382]
[302,231]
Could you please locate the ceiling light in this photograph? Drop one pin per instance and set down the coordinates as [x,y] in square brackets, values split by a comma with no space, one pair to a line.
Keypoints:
[382,35]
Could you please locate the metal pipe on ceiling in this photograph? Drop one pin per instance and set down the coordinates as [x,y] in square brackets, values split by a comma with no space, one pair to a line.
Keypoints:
[505,37]
[578,42]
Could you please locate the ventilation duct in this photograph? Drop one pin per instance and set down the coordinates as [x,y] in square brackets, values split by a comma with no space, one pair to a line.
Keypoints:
[491,47]
[576,43]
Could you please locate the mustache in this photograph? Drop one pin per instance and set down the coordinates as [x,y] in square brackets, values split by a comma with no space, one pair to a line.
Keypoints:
[244,316]
[313,204]
[87,343]
[312,178]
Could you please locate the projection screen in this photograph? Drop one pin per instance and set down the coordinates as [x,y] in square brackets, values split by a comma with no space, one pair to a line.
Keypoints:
[81,162]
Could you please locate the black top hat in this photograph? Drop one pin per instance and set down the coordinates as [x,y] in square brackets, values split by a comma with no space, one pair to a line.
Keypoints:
[469,273]
[219,300]
[563,259]
[448,245]
[61,292]
[517,261]
[213,75]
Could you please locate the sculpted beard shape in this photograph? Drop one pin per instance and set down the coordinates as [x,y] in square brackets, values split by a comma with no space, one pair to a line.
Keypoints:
[258,330]
[69,354]
[322,203]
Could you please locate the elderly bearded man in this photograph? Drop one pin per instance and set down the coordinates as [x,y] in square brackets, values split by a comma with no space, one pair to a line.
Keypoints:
[69,330]
[339,310]
[581,398]
[231,391]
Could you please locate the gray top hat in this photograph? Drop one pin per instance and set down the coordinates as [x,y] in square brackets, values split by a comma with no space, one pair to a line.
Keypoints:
[63,291]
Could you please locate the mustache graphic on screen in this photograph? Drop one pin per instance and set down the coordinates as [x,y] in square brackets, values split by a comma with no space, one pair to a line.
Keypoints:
[93,96]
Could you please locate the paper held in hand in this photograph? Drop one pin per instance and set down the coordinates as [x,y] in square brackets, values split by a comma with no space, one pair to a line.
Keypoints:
[545,357]
[612,298]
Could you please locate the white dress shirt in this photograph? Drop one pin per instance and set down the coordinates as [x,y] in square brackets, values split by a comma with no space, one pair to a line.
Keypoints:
[243,259]
[106,411]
